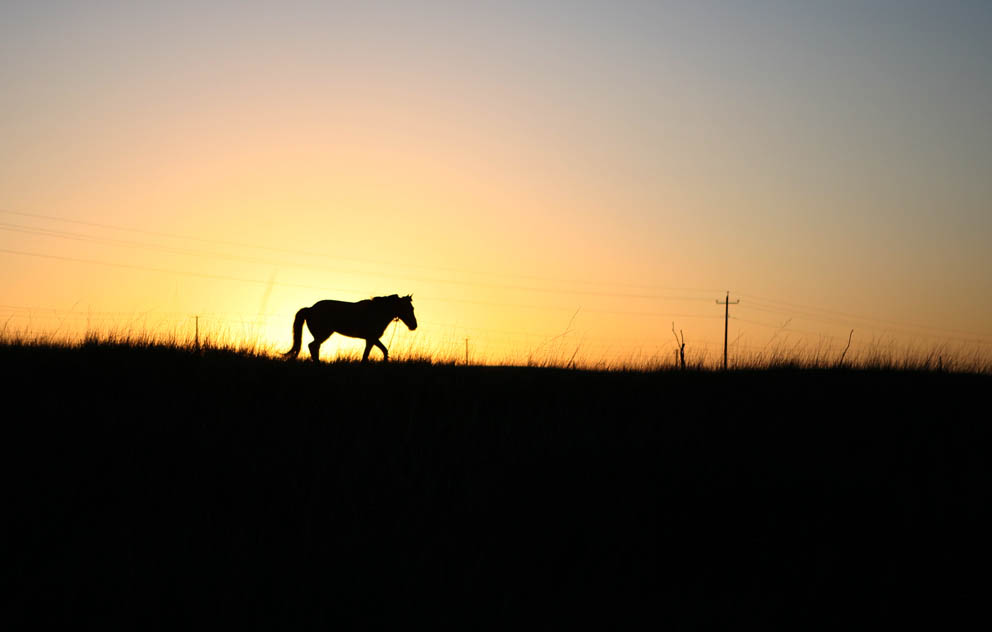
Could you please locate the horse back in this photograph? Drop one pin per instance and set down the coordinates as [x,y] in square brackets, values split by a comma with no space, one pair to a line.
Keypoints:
[349,319]
[336,306]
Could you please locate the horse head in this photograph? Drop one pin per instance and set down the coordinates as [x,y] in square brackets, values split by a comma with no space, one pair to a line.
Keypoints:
[404,311]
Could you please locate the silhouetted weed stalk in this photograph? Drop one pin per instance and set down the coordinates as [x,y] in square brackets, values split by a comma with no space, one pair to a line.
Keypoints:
[561,354]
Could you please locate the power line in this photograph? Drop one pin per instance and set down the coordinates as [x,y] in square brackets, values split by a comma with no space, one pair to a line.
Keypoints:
[960,340]
[770,304]
[164,270]
[898,329]
[400,276]
[781,328]
[405,264]
[281,283]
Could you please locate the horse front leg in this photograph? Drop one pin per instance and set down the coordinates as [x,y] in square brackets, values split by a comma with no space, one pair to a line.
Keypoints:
[385,354]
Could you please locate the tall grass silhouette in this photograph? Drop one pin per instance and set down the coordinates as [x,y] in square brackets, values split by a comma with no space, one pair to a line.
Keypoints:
[877,355]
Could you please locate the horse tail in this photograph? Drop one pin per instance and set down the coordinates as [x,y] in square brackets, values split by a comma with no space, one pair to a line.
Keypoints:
[301,316]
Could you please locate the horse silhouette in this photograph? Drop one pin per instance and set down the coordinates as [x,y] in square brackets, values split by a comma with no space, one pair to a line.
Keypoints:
[366,319]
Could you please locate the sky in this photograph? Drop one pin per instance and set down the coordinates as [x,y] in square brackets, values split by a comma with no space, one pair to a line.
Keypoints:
[550,180]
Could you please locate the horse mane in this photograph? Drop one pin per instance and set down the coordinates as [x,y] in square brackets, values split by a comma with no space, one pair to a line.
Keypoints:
[384,299]
[392,299]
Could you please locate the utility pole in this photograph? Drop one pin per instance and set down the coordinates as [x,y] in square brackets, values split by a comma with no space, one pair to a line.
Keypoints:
[726,319]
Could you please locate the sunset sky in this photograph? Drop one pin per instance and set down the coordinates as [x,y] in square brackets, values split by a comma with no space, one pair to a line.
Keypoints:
[544,177]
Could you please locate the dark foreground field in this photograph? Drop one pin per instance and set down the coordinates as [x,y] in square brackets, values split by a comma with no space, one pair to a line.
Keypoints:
[154,486]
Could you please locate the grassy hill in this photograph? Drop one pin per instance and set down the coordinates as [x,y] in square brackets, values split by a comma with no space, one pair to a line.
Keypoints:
[155,485]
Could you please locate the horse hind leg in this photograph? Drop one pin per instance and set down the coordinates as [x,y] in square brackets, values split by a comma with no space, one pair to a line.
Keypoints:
[315,347]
